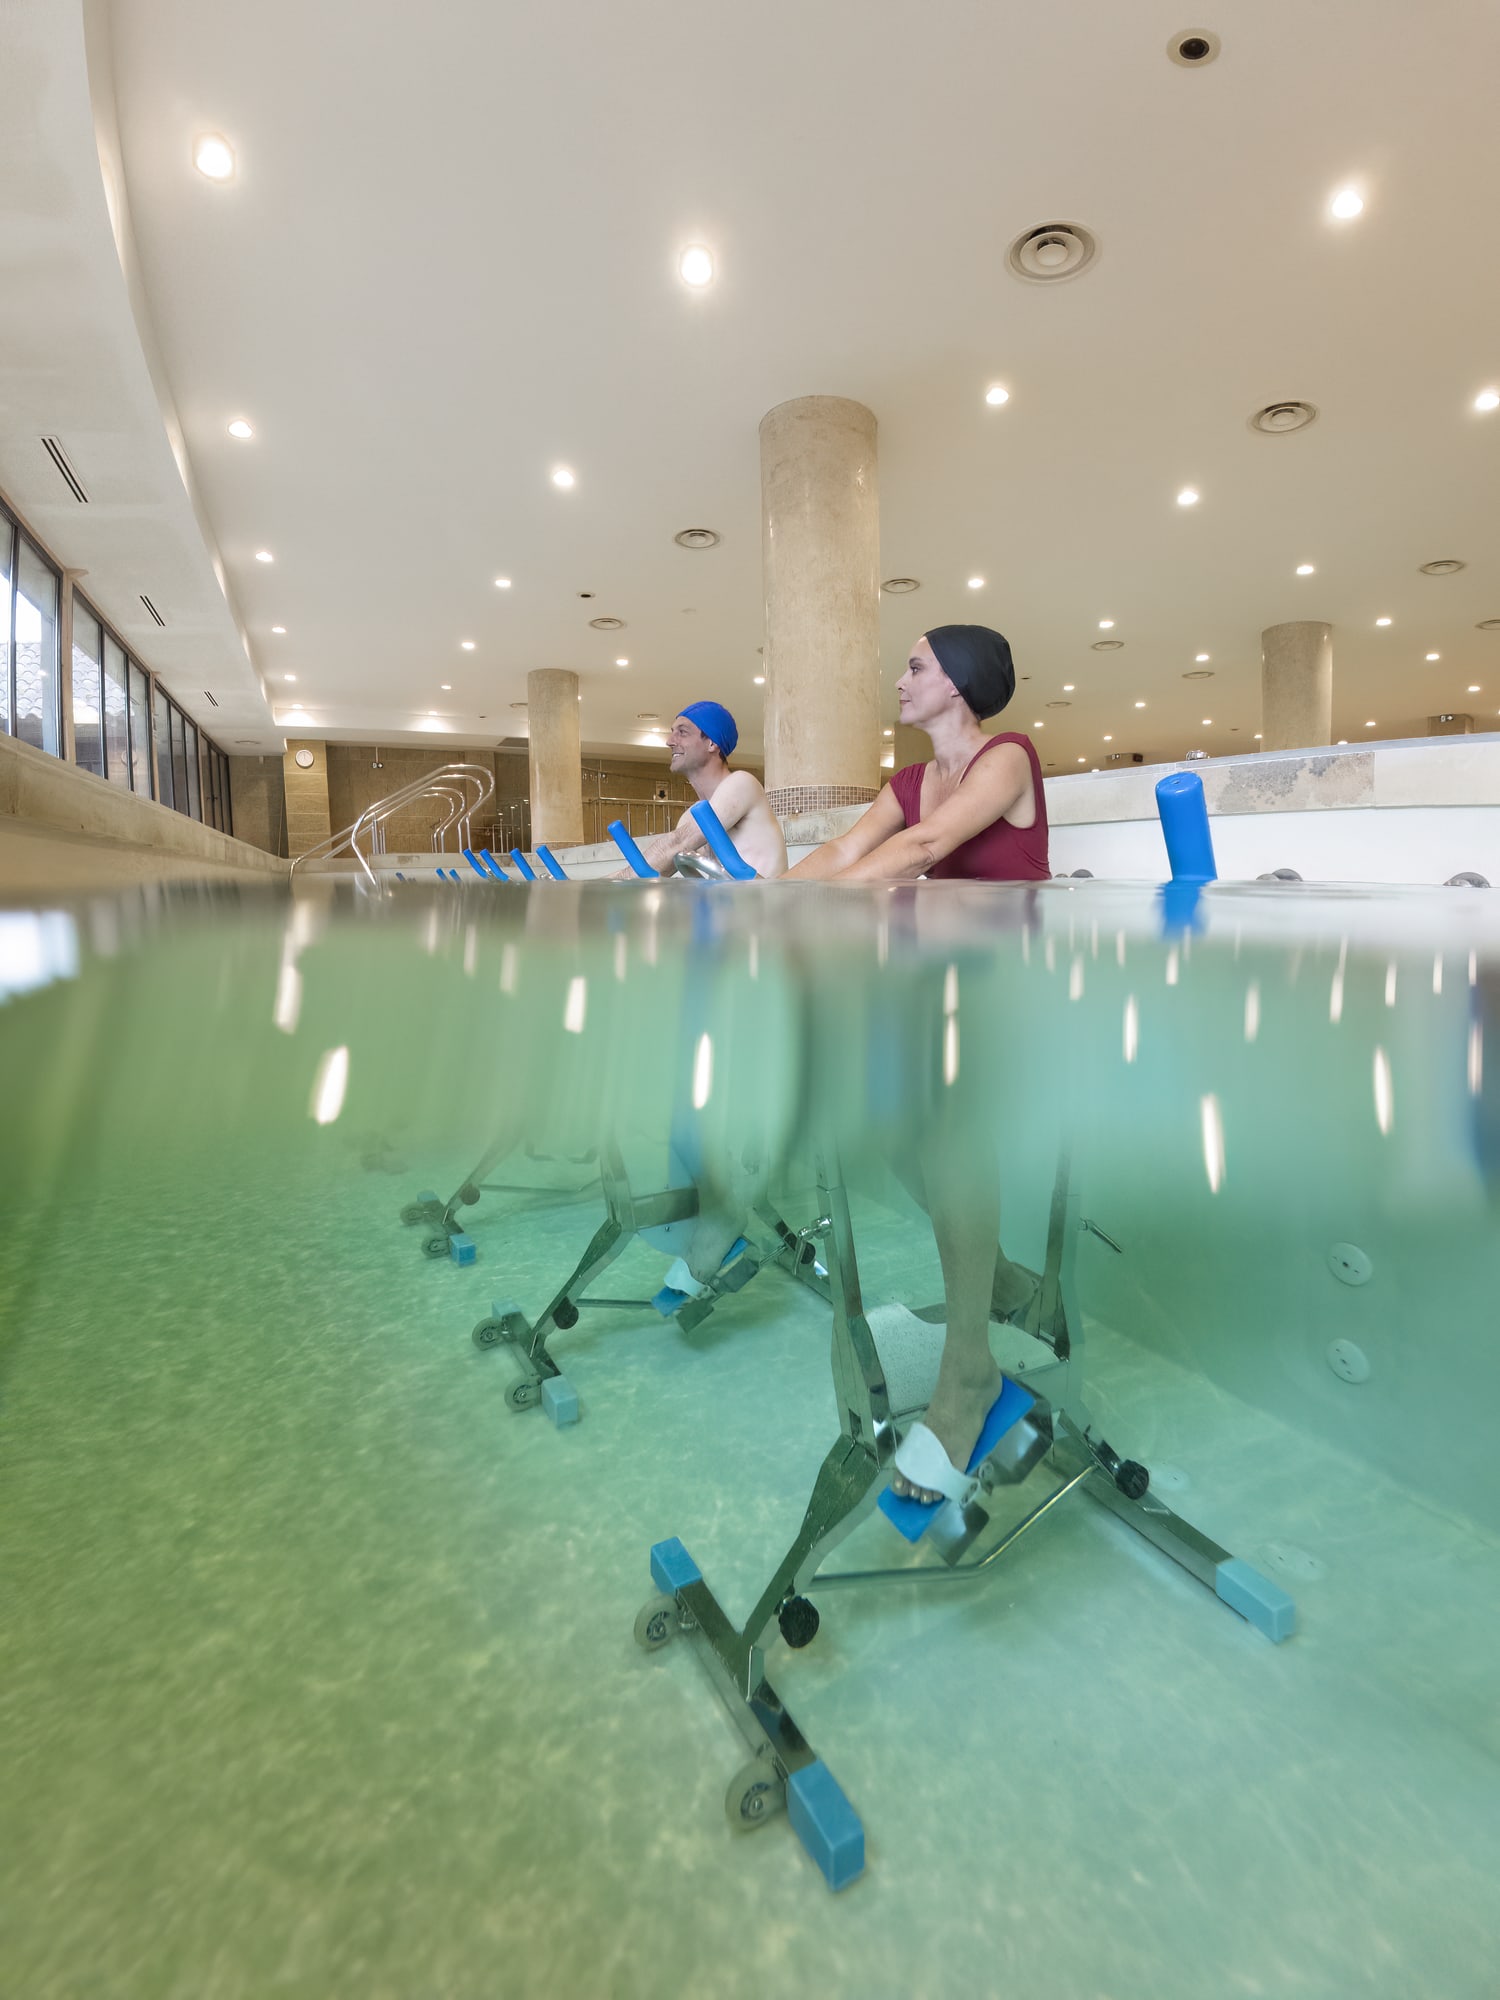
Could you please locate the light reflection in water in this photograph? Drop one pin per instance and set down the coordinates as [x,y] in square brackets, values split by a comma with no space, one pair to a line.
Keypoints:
[1075,978]
[703,1071]
[1132,1029]
[1213,1142]
[1390,984]
[1172,966]
[1385,1104]
[329,1085]
[620,958]
[1252,1010]
[1437,973]
[576,1005]
[1476,1059]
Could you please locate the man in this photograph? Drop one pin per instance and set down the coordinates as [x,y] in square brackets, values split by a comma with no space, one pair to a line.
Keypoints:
[701,741]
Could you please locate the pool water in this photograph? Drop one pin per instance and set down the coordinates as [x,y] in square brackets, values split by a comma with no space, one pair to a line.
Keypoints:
[317,1668]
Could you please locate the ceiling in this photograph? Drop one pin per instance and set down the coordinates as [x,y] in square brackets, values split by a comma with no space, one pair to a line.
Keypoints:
[447,263]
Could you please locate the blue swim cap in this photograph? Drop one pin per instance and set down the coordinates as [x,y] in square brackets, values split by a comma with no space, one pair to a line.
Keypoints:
[717,724]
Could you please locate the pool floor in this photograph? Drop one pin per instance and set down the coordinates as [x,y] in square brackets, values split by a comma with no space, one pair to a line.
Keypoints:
[317,1673]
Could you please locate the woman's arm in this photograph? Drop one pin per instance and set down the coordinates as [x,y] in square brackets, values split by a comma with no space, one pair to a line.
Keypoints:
[874,826]
[990,790]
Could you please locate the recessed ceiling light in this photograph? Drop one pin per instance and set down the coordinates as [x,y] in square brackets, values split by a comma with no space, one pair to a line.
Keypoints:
[1187,497]
[432,711]
[1304,569]
[1200,657]
[214,157]
[1106,624]
[288,677]
[622,663]
[1382,621]
[264,555]
[1434,656]
[696,265]
[1039,725]
[446,687]
[1258,736]
[887,732]
[1476,690]
[467,644]
[760,680]
[1487,399]
[1140,704]
[240,429]
[1083,760]
[995,395]
[976,583]
[1067,687]
[1346,204]
[562,476]
[279,630]
[1207,722]
[502,583]
[1109,739]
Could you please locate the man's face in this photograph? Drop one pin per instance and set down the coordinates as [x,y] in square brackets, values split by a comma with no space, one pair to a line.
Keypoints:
[687,744]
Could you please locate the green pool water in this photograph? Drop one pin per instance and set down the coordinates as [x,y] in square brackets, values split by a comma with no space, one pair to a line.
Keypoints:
[316,1664]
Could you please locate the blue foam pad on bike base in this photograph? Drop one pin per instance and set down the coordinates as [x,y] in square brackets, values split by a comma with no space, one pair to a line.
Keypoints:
[1261,1603]
[913,1518]
[826,1824]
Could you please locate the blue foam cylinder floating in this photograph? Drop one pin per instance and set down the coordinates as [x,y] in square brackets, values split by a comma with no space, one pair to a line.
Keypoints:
[545,856]
[712,828]
[523,866]
[1184,825]
[619,833]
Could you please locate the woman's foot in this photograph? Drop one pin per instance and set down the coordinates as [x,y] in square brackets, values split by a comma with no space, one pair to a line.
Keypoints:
[967,1388]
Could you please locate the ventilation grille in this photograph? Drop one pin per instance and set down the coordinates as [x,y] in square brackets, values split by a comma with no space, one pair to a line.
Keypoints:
[1276,419]
[212,700]
[1051,252]
[900,586]
[1107,646]
[54,450]
[696,538]
[607,624]
[1443,566]
[152,609]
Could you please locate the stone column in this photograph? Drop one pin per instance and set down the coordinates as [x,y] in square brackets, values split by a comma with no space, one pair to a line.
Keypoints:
[556,760]
[307,820]
[1296,686]
[820,565]
[912,746]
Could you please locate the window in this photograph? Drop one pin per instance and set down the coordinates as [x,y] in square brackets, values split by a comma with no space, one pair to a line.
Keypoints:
[116,714]
[190,752]
[162,717]
[88,691]
[38,689]
[7,571]
[179,759]
[140,731]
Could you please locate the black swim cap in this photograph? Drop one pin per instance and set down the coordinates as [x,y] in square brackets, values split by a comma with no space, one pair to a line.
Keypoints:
[978,663]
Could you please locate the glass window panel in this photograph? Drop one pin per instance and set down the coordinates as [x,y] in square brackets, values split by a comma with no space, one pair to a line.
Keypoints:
[179,761]
[162,711]
[140,731]
[7,543]
[88,690]
[190,752]
[116,714]
[211,776]
[38,693]
[226,818]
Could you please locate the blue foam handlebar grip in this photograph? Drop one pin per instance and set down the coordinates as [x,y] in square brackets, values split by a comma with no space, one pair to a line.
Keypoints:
[619,833]
[712,828]
[493,865]
[525,868]
[470,857]
[1184,825]
[545,856]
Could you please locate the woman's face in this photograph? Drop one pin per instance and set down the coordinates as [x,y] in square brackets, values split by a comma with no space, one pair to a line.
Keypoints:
[924,691]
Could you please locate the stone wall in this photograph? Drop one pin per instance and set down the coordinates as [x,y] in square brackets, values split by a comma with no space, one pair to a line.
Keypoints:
[257,800]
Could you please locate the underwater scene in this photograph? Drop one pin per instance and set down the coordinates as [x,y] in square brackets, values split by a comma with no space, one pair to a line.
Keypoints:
[454,1344]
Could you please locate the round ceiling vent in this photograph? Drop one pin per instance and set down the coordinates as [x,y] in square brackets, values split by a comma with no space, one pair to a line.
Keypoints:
[1488,625]
[518,704]
[696,538]
[1444,566]
[1108,646]
[607,624]
[1059,704]
[647,715]
[1199,674]
[1277,418]
[1052,251]
[1194,48]
[900,586]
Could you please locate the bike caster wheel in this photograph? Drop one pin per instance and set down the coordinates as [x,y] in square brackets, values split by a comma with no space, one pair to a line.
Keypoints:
[435,1245]
[492,1333]
[523,1395]
[755,1795]
[468,1194]
[799,1622]
[656,1622]
[565,1314]
[1132,1479]
[413,1213]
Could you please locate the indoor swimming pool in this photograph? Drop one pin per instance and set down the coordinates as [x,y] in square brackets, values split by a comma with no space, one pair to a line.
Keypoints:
[322,1670]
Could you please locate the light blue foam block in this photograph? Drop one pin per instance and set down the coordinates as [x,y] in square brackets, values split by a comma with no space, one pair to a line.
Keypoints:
[672,1568]
[826,1824]
[1264,1604]
[560,1400]
[914,1517]
[462,1249]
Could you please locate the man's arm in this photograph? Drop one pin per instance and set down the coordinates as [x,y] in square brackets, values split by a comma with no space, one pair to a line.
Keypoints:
[874,826]
[662,847]
[987,794]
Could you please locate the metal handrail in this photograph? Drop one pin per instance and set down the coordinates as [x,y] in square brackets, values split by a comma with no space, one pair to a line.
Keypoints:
[438,782]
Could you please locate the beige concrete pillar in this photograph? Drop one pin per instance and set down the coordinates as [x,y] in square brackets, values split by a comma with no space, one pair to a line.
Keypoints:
[556,760]
[1296,686]
[820,566]
[913,746]
[307,819]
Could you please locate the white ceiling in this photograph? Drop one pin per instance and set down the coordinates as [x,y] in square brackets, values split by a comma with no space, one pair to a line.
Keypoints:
[447,262]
